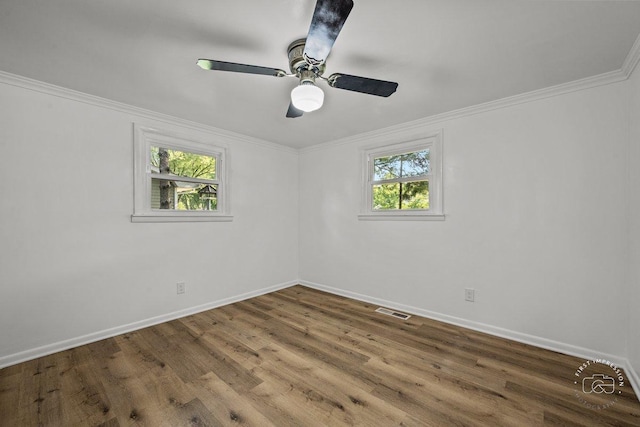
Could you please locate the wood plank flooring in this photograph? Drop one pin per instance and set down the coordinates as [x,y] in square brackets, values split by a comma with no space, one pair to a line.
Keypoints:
[300,357]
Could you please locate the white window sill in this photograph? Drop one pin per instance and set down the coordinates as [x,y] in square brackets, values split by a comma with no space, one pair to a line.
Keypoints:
[407,216]
[181,218]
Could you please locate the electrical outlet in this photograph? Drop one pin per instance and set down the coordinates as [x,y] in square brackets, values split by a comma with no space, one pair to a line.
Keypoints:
[469,294]
[180,288]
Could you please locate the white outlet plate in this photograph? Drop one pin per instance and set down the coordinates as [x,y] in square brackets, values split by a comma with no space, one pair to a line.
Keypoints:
[181,288]
[469,295]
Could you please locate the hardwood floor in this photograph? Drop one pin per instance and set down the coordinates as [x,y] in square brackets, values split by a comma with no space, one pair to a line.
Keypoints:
[300,357]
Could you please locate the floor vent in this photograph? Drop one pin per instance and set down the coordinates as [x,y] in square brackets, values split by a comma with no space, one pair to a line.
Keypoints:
[392,313]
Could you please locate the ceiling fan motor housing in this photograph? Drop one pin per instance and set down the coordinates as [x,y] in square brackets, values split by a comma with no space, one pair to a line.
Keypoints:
[297,62]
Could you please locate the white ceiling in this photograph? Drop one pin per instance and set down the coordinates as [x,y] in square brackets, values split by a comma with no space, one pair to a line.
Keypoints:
[445,55]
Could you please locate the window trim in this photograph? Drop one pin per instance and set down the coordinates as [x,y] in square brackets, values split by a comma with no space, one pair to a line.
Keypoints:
[144,138]
[431,141]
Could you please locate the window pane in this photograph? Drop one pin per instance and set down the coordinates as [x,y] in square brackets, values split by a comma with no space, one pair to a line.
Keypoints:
[402,165]
[386,196]
[386,167]
[415,164]
[181,163]
[183,196]
[408,195]
[196,197]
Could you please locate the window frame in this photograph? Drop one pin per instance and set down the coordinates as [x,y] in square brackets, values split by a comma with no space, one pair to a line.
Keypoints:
[144,139]
[432,142]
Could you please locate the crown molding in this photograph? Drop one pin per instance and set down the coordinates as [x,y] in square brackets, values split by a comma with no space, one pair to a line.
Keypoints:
[632,59]
[96,101]
[629,65]
[418,125]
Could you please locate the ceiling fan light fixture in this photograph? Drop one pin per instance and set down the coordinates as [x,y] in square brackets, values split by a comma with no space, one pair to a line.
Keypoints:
[307,97]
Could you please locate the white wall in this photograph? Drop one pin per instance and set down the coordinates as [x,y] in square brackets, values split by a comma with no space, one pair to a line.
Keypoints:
[71,261]
[535,199]
[537,221]
[634,215]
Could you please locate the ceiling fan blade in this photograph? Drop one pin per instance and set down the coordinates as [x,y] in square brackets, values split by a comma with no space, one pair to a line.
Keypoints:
[293,112]
[210,64]
[362,84]
[328,19]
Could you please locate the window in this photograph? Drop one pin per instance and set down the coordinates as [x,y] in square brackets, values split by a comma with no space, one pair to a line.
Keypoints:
[403,181]
[178,179]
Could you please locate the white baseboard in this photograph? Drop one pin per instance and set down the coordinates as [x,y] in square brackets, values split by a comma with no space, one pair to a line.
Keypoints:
[560,347]
[633,377]
[45,350]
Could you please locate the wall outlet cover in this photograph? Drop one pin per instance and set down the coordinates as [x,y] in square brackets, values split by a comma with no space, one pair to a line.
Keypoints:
[469,295]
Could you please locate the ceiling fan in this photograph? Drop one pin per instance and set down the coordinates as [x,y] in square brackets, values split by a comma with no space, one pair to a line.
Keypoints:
[307,62]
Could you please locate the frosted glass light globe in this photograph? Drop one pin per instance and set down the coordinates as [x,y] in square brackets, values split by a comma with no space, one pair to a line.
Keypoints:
[307,97]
